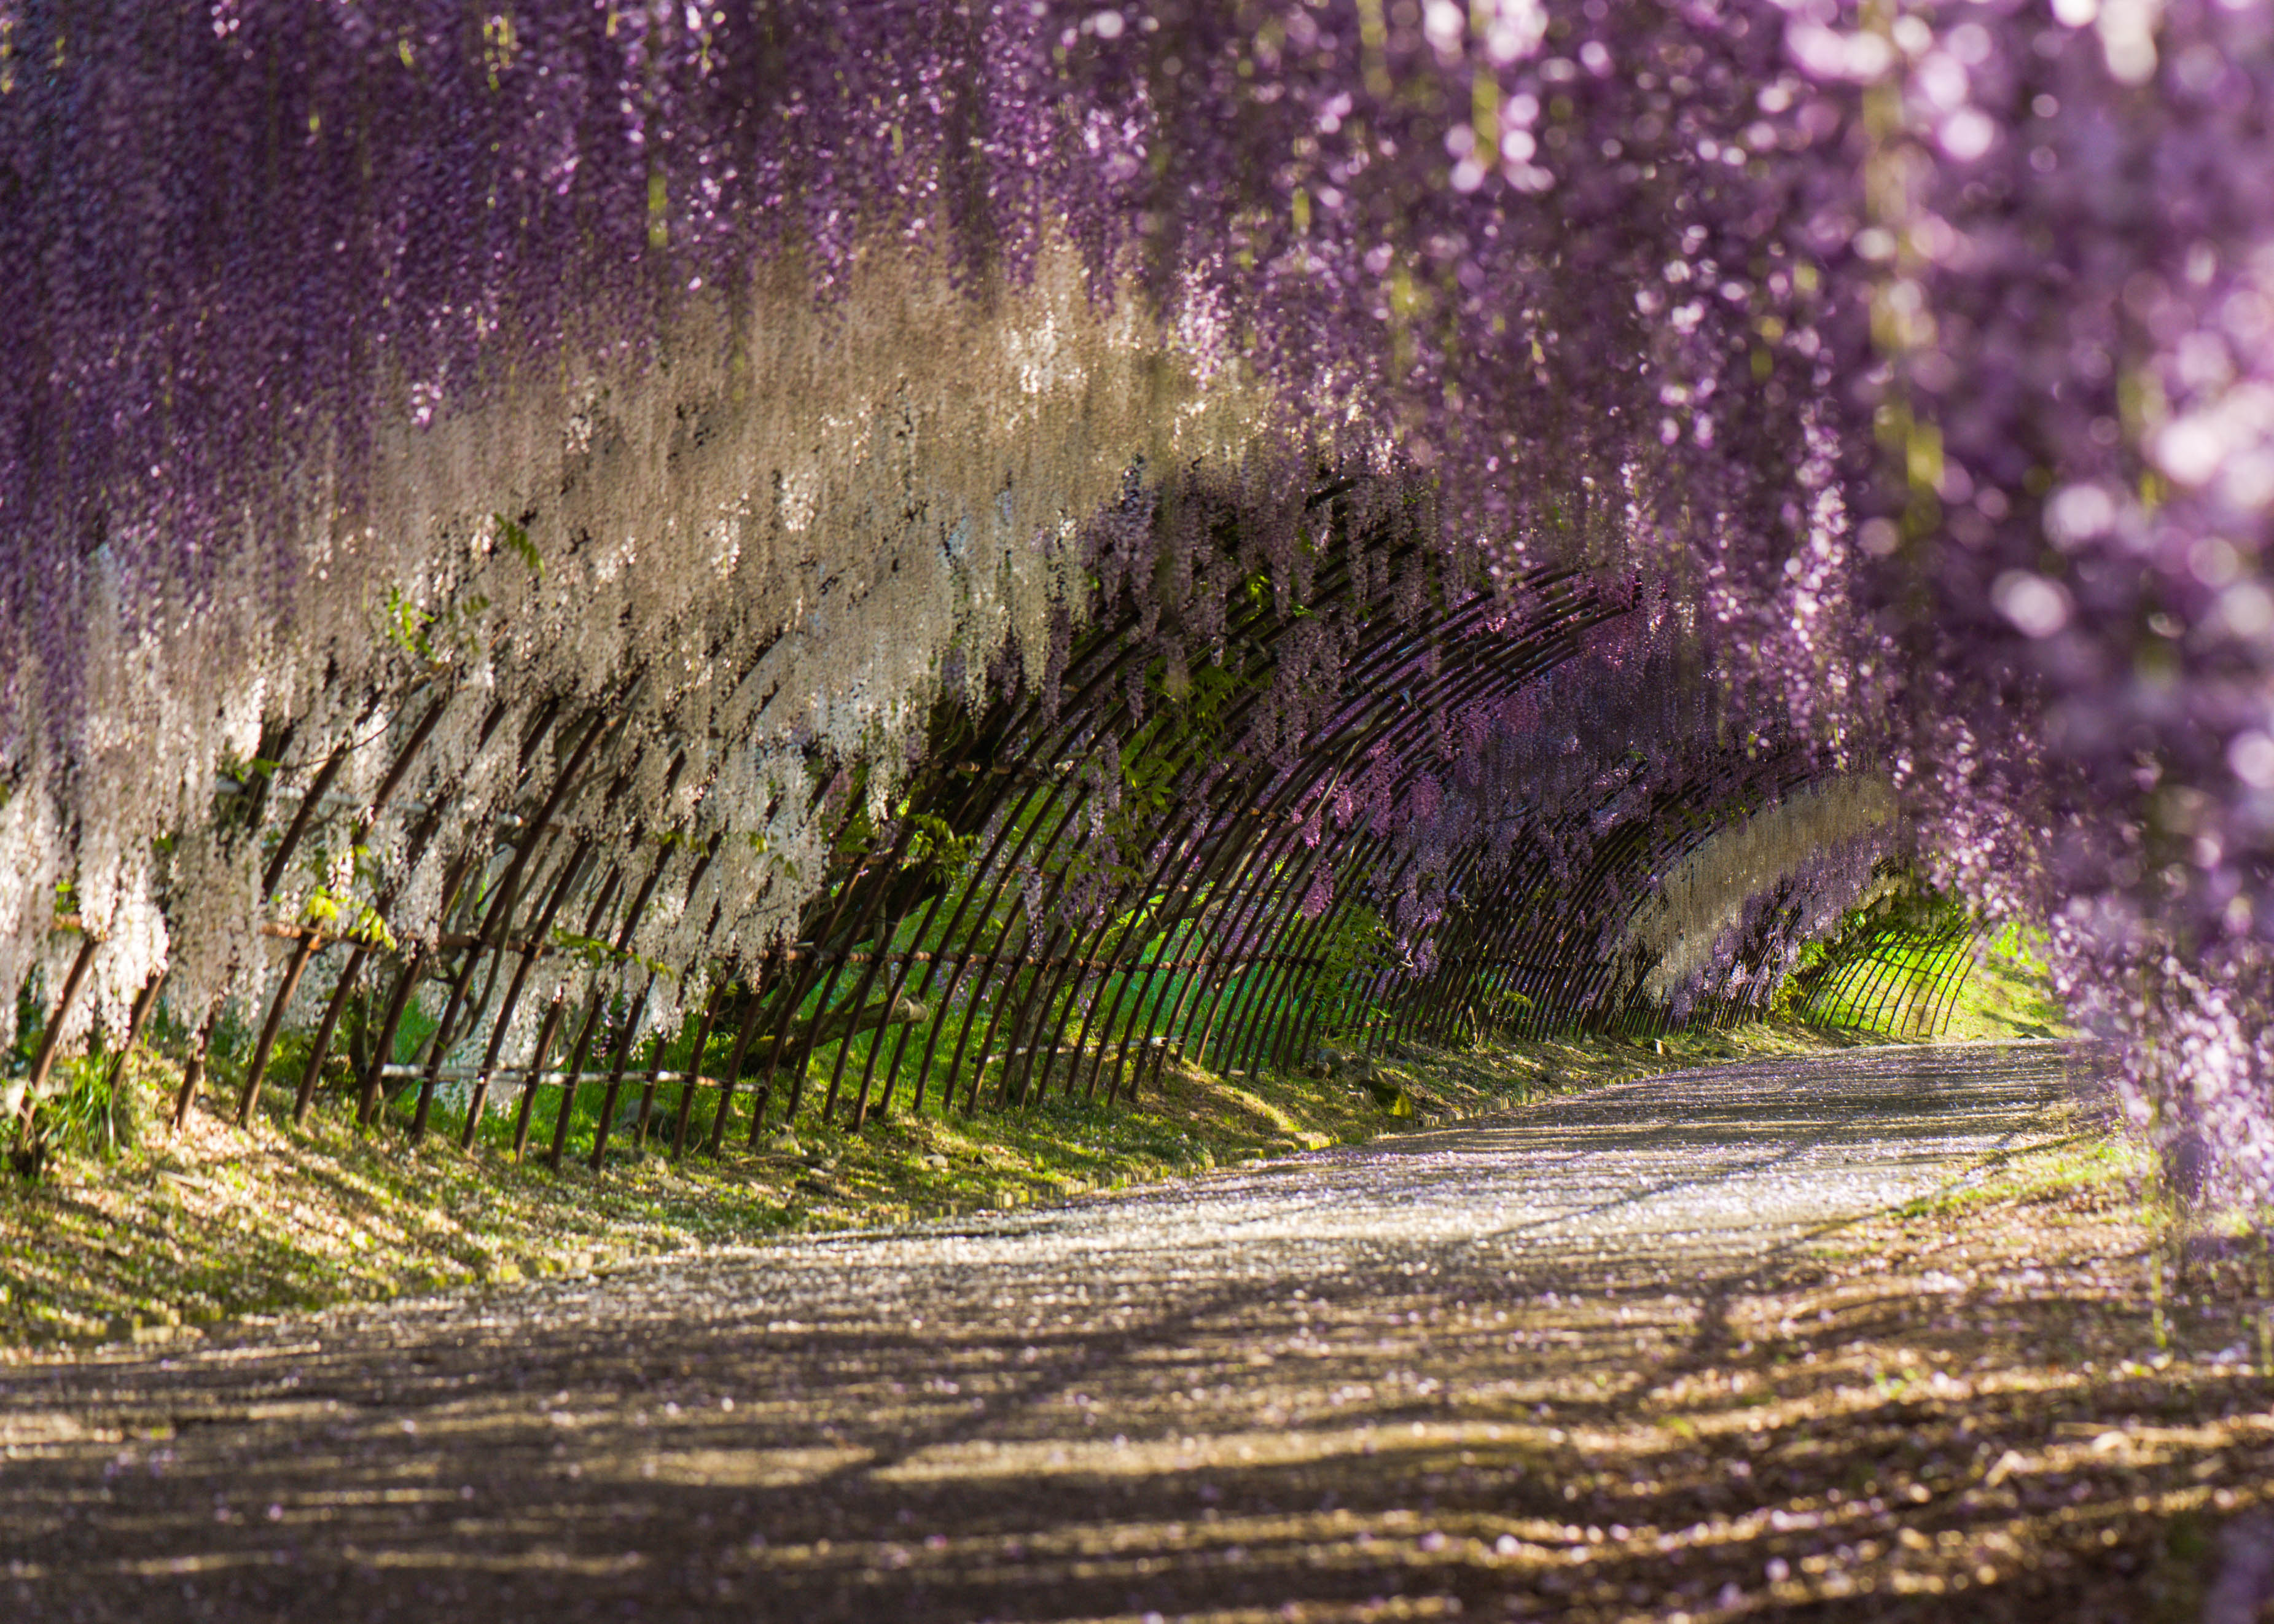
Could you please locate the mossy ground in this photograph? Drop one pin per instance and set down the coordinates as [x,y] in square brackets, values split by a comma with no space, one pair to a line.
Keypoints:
[214,1222]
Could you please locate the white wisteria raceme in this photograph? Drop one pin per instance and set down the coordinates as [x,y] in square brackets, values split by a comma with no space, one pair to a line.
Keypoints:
[1706,895]
[750,551]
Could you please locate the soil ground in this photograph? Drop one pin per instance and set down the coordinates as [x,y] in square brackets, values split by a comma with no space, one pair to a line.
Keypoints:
[1877,1335]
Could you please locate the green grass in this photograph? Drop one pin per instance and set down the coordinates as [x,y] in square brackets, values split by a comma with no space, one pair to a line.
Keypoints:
[2090,1163]
[2009,995]
[2006,993]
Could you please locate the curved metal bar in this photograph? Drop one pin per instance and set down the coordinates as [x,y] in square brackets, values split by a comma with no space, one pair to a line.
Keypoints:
[951,767]
[594,915]
[303,951]
[193,1067]
[694,1078]
[1363,732]
[50,1039]
[541,932]
[647,1092]
[312,1069]
[527,1111]
[619,1054]
[745,1029]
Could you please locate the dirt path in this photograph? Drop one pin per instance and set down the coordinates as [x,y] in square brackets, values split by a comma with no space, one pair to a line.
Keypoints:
[1588,1360]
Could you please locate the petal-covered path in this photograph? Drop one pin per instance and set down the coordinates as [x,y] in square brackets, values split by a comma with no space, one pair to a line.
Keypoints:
[1463,1370]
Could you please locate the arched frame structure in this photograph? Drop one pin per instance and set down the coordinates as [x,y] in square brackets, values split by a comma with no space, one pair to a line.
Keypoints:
[1080,878]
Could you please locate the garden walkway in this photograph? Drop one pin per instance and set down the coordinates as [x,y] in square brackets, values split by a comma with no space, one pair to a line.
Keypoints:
[1561,1362]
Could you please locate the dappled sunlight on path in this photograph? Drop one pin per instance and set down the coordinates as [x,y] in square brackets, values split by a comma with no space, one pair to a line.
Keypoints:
[1590,1359]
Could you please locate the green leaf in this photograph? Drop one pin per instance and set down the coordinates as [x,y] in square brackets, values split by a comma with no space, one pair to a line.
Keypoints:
[516,537]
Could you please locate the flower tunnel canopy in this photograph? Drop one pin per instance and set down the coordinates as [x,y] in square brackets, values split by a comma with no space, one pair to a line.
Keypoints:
[755,551]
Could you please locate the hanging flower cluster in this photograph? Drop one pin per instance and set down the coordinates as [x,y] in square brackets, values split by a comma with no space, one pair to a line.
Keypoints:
[1811,855]
[1606,791]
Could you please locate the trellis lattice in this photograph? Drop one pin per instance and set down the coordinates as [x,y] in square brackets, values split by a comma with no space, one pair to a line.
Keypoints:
[1079,881]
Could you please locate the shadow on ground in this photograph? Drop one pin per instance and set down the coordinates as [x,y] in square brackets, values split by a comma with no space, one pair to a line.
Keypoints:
[1622,1356]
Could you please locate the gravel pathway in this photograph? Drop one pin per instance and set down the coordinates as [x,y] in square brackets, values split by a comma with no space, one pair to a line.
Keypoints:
[1336,1386]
